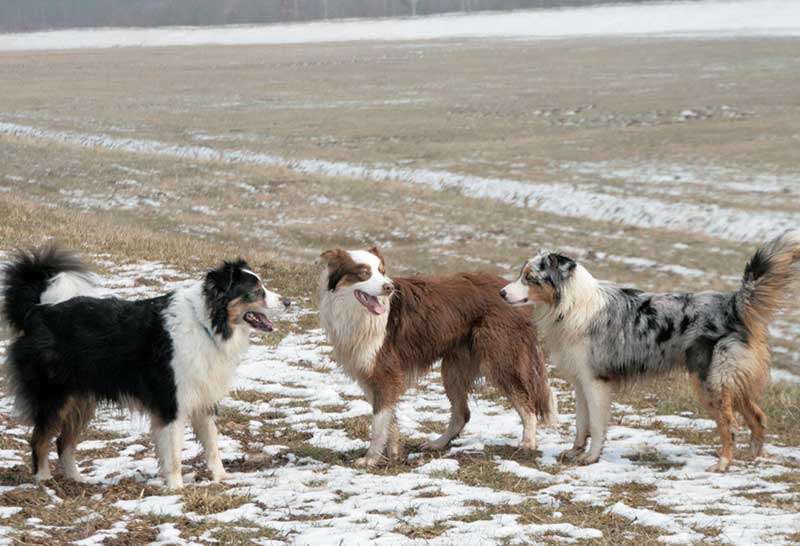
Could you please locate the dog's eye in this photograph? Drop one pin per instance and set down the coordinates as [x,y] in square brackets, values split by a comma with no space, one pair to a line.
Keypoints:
[255,295]
[364,274]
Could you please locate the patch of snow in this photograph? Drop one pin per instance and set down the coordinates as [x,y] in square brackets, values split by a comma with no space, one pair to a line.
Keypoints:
[560,199]
[708,19]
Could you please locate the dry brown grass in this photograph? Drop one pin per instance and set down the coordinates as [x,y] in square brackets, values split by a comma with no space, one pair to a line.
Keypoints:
[317,104]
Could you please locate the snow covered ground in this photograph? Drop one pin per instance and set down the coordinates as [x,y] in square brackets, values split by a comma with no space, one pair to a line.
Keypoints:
[564,199]
[707,19]
[295,424]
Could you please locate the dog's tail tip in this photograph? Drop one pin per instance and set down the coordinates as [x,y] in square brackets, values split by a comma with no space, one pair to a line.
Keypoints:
[767,278]
[46,274]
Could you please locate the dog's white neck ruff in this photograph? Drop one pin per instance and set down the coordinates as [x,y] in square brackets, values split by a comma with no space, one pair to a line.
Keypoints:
[204,365]
[566,322]
[356,334]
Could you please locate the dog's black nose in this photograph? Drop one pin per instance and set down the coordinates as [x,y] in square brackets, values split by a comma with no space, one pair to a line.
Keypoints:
[286,302]
[503,293]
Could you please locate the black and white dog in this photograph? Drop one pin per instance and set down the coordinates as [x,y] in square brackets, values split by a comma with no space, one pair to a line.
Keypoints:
[600,334]
[172,357]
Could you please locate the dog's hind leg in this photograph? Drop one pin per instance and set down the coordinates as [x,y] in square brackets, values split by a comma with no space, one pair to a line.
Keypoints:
[40,447]
[724,416]
[206,430]
[581,426]
[76,415]
[757,422]
[598,404]
[459,370]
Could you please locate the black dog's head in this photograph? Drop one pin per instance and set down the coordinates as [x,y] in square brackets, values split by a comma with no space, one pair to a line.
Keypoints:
[235,296]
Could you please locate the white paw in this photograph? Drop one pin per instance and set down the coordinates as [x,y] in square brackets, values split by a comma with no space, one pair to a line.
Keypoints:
[73,474]
[528,444]
[43,475]
[174,482]
[436,445]
[587,458]
[570,454]
[721,466]
[366,462]
[219,475]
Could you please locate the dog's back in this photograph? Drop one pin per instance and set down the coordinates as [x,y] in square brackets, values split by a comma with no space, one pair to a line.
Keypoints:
[111,348]
[459,318]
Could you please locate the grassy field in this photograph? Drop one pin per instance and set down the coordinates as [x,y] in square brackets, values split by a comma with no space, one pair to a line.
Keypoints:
[184,156]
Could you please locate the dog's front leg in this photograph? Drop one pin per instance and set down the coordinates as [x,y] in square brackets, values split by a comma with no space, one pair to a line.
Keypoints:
[382,419]
[598,404]
[581,426]
[206,430]
[169,440]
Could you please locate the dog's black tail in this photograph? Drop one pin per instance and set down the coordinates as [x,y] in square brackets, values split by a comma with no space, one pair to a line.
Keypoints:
[48,274]
[766,280]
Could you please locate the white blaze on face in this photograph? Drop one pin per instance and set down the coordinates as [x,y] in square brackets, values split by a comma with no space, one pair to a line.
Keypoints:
[274,301]
[516,293]
[370,292]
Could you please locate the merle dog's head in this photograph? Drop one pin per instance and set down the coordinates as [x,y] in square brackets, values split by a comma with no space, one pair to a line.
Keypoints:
[541,280]
[236,297]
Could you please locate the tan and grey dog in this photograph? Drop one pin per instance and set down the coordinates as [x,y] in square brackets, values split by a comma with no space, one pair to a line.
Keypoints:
[601,335]
[387,333]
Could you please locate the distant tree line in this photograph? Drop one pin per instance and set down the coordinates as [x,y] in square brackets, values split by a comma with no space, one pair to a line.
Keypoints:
[26,15]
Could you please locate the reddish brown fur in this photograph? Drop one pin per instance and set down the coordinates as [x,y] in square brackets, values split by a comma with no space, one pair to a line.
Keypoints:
[343,270]
[461,319]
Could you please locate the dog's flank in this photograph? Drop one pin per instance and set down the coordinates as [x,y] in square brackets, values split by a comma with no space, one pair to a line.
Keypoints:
[601,334]
[171,356]
[387,333]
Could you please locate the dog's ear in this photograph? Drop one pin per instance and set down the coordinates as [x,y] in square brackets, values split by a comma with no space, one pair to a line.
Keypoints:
[377,252]
[560,267]
[328,256]
[337,261]
[221,279]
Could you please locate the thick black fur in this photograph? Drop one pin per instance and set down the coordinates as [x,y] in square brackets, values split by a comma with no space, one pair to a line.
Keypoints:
[96,349]
[223,285]
[108,349]
[26,277]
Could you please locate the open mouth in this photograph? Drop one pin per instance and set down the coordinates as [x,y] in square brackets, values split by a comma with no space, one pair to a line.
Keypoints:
[259,321]
[370,302]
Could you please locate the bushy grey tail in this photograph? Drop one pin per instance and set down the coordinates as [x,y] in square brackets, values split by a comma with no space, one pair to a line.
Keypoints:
[767,279]
[31,273]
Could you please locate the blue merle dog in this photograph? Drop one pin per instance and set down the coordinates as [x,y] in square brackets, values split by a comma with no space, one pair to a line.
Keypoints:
[601,335]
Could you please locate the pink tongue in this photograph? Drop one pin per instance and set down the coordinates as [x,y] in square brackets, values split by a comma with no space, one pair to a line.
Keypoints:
[374,305]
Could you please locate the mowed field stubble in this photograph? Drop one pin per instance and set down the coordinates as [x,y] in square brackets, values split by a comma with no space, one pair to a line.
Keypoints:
[188,155]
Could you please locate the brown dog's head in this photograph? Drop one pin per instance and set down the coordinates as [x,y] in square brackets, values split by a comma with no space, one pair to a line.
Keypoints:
[361,273]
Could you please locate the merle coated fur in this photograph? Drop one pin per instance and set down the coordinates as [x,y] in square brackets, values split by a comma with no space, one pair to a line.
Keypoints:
[601,334]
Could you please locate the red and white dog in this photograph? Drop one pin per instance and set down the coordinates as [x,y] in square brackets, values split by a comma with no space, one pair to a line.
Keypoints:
[386,333]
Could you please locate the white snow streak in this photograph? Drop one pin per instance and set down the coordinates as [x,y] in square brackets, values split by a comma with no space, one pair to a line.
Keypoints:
[560,199]
[707,19]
